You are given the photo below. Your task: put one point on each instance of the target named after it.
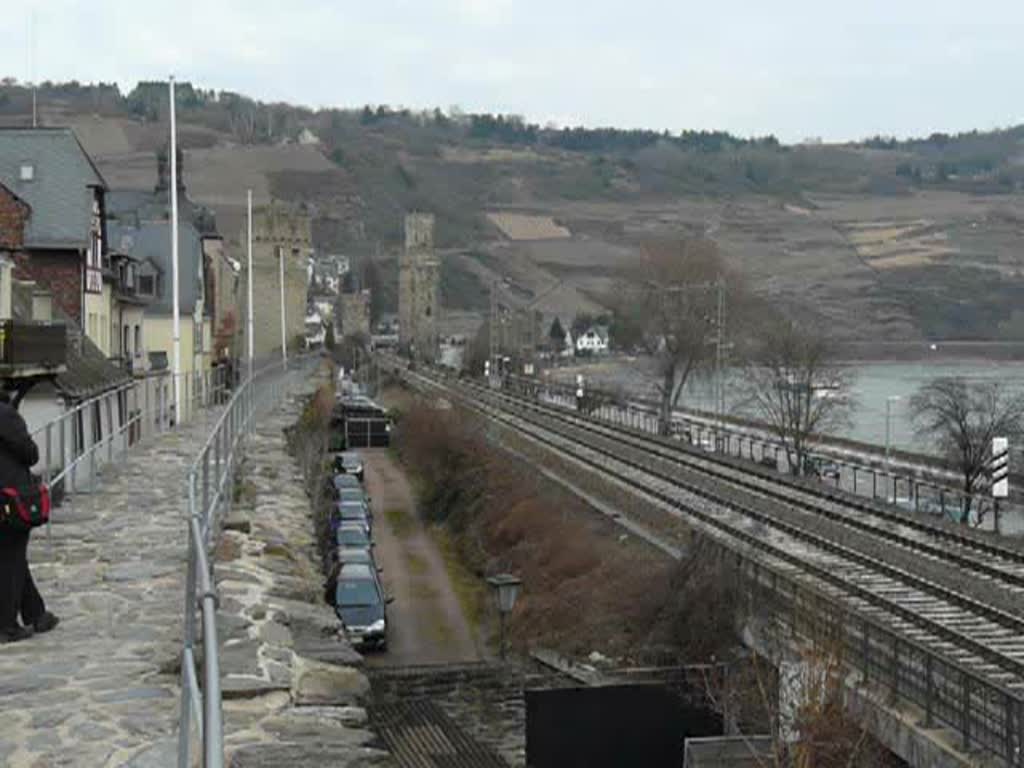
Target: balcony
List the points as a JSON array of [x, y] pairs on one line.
[[32, 348]]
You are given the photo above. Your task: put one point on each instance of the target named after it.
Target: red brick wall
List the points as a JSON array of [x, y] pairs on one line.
[[58, 271], [13, 214]]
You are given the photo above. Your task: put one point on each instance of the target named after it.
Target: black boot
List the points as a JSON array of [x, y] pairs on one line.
[[45, 623], [14, 634]]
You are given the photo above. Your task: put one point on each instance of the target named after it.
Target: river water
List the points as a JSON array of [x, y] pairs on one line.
[[873, 384]]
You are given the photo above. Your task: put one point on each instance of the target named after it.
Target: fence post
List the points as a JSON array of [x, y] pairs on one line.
[[62, 436], [866, 639], [1008, 726], [895, 667], [110, 426], [929, 690], [187, 654], [46, 466], [965, 709]]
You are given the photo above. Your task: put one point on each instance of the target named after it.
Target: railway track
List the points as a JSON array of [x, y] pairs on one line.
[[992, 565], [905, 574]]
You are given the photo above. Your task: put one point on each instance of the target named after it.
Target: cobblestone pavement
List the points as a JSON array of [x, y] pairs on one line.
[[101, 690]]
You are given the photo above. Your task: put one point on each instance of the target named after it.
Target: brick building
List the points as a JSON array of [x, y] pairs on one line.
[[14, 214], [419, 289], [63, 236], [278, 231]]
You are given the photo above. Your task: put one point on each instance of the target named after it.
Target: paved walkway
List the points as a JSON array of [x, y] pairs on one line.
[[102, 689]]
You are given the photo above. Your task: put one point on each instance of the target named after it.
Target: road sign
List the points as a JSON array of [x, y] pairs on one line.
[[1000, 467]]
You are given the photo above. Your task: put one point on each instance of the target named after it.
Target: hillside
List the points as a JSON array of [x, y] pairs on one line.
[[879, 240]]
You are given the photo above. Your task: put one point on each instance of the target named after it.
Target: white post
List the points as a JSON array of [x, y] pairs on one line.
[[284, 332], [174, 260], [249, 306], [888, 424]]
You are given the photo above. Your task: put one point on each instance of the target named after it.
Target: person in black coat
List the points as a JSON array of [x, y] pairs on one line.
[[18, 593]]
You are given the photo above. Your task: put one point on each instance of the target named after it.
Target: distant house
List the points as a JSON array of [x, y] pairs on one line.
[[307, 138], [594, 341]]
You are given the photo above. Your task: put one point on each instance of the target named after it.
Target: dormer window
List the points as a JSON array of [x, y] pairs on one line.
[[28, 172]]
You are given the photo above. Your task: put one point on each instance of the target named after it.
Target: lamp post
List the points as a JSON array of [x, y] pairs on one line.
[[506, 590], [888, 424]]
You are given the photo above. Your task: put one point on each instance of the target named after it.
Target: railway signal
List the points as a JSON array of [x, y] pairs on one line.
[[999, 467]]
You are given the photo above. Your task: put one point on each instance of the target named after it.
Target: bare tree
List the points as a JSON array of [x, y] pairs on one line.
[[792, 383], [670, 306], [962, 418]]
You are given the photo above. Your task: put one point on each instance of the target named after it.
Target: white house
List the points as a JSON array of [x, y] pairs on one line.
[[593, 342]]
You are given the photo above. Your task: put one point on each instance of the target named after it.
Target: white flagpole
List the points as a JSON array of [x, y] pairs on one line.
[[284, 332], [173, 159], [249, 323]]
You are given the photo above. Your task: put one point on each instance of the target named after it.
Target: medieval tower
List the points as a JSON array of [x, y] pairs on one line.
[[419, 289], [278, 232]]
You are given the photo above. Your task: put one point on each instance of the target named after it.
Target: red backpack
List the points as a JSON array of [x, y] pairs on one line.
[[23, 511]]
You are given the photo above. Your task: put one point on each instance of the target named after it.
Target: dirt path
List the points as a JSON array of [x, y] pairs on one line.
[[425, 622]]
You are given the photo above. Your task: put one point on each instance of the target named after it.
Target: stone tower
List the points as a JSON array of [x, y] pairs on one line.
[[278, 231], [419, 289]]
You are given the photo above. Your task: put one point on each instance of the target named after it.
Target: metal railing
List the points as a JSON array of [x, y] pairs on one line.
[[988, 717], [76, 445], [211, 491]]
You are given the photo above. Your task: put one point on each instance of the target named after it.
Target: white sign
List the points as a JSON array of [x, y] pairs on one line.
[[1000, 467], [528, 369]]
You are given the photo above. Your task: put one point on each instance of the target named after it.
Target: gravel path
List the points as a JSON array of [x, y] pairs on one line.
[[426, 624]]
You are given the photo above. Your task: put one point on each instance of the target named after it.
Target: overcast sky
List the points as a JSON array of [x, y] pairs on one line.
[[838, 69]]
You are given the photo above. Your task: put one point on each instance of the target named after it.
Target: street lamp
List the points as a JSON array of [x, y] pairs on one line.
[[888, 423], [506, 590]]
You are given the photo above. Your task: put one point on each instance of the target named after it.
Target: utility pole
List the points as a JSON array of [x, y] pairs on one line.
[[32, 67], [719, 350], [284, 331], [176, 322], [249, 323], [493, 354]]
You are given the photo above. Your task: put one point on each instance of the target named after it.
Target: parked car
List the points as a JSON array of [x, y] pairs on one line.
[[349, 463], [345, 512], [341, 481], [342, 555], [353, 535], [339, 558], [360, 603], [353, 494]]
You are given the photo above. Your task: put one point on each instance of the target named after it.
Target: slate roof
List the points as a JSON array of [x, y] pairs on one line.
[[151, 240], [60, 193], [89, 372]]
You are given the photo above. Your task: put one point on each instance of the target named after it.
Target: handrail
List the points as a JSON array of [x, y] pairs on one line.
[[210, 492]]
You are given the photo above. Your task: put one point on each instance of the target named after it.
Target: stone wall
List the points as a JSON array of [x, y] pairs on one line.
[[294, 688]]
